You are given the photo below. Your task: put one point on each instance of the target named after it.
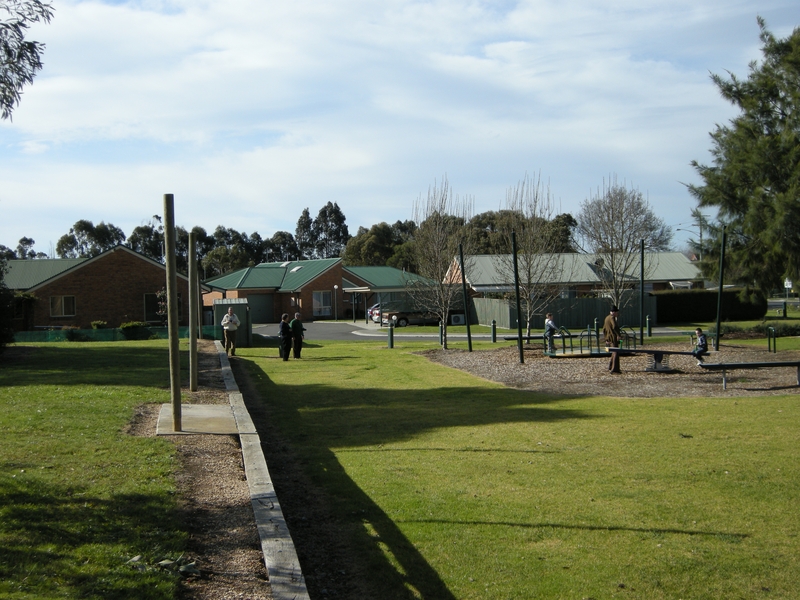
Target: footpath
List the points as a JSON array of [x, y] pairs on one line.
[[280, 557]]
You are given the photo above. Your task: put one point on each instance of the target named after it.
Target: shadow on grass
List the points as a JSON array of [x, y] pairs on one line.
[[337, 527], [652, 530], [51, 539], [117, 364]]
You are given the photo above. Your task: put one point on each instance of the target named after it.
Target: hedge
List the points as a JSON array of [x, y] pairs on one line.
[[680, 306]]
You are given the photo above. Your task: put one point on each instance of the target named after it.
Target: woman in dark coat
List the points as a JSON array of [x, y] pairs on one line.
[[285, 334]]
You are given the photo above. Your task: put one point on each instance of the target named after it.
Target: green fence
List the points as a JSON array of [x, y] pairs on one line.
[[110, 335], [573, 313]]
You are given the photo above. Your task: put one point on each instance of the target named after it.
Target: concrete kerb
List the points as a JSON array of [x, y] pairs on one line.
[[280, 557]]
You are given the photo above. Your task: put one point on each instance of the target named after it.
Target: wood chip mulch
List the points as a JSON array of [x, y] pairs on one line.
[[582, 376]]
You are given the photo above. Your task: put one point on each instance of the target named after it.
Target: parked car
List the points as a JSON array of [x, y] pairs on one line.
[[409, 318], [373, 310]]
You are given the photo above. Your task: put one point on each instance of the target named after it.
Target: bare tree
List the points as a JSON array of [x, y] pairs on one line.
[[611, 225], [441, 226], [538, 244]]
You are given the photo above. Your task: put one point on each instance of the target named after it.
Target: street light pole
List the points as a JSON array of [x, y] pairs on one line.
[[335, 307]]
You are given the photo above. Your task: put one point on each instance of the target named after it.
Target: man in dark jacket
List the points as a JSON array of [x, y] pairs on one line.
[[285, 334], [612, 335], [297, 328]]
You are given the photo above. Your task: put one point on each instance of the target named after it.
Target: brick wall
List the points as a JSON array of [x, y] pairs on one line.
[[110, 288]]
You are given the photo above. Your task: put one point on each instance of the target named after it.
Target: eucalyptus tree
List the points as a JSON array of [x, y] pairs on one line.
[[20, 58], [85, 239], [330, 231]]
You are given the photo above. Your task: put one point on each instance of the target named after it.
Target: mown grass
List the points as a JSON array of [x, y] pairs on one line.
[[78, 497], [454, 487]]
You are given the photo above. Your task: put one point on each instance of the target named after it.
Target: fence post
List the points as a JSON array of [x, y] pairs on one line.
[[494, 331]]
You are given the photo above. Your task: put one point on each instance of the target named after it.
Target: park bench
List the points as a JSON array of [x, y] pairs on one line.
[[658, 359], [725, 367]]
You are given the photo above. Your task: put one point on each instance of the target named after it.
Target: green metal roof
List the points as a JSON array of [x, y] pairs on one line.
[[283, 277], [383, 278], [491, 272], [25, 274]]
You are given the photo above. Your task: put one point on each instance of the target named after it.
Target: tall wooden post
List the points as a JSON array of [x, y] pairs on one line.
[[172, 311], [193, 310]]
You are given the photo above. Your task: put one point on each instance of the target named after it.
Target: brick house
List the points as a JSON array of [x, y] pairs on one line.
[[117, 286], [317, 289]]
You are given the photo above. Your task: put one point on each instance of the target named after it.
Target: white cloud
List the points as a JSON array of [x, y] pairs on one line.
[[269, 107]]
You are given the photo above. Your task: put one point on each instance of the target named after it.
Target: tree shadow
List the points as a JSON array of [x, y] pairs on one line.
[[337, 527], [51, 533]]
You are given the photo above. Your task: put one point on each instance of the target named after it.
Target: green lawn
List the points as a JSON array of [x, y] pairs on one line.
[[79, 498], [454, 487]]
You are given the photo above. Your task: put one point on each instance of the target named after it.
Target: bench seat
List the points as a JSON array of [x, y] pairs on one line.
[[660, 362], [725, 367]]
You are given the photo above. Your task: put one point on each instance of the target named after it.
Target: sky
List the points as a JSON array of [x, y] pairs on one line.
[[249, 111]]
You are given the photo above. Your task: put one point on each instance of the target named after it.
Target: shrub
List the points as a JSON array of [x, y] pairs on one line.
[[99, 324], [74, 334], [679, 306], [135, 330]]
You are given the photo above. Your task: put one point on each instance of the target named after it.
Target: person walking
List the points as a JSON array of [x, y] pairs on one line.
[[297, 328], [285, 334], [612, 335], [230, 323]]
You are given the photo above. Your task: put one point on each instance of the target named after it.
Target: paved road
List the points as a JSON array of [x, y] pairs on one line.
[[326, 330]]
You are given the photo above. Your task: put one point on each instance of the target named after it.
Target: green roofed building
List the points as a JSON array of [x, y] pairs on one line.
[[317, 289]]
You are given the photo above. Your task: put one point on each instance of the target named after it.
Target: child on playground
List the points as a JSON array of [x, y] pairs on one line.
[[701, 347], [550, 330]]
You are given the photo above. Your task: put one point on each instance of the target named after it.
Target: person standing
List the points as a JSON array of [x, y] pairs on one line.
[[285, 334], [550, 330], [612, 335], [230, 323], [297, 334]]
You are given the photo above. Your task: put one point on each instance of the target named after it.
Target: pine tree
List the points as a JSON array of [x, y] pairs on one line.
[[754, 181]]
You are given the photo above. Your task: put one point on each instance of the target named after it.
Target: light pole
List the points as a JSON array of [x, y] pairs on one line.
[[335, 307], [700, 246]]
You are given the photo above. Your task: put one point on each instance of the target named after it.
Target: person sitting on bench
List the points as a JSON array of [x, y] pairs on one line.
[[701, 347]]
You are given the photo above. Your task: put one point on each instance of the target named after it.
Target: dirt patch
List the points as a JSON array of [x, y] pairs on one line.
[[214, 497], [590, 376]]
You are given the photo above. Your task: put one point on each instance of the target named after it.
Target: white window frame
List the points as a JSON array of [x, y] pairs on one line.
[[59, 308], [321, 309]]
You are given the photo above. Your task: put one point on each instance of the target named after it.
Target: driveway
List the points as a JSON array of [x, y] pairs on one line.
[[328, 330]]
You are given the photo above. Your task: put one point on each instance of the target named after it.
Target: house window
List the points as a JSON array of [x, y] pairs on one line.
[[62, 306], [322, 304], [151, 309]]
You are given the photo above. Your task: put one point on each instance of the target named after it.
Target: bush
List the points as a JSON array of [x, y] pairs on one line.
[[74, 334], [99, 324], [680, 306], [135, 330]]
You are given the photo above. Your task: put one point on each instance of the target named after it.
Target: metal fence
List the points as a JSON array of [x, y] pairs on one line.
[[213, 332], [573, 313]]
